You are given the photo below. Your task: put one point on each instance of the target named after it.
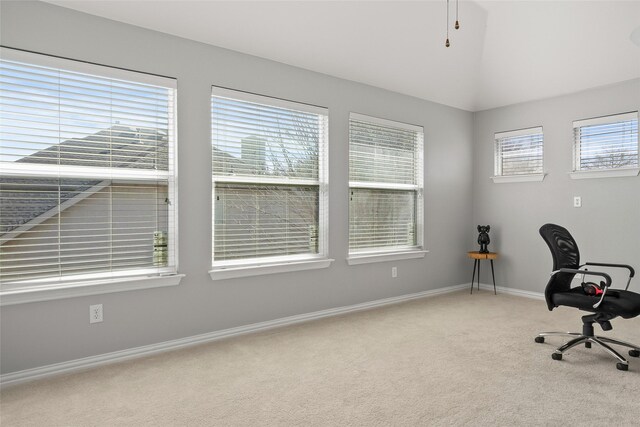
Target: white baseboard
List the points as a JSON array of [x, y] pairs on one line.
[[14, 378], [509, 291]]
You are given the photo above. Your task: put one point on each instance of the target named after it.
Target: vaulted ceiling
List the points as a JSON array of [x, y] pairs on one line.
[[505, 52]]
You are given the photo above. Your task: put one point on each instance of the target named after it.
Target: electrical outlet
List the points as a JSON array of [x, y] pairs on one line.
[[577, 202], [95, 313], [394, 272]]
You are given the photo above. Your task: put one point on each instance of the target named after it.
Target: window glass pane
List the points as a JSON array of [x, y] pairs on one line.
[[33, 252], [381, 154], [252, 139], [608, 146], [267, 158], [86, 178], [252, 221], [519, 155], [385, 179], [52, 116], [140, 225], [381, 218], [53, 227]]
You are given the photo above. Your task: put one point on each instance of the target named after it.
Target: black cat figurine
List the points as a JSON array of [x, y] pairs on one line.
[[483, 238]]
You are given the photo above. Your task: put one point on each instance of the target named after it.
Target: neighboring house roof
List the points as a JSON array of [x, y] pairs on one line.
[[133, 147], [116, 147], [20, 213], [23, 214]]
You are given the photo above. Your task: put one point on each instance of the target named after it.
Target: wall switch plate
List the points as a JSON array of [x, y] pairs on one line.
[[577, 202], [95, 313], [394, 272]]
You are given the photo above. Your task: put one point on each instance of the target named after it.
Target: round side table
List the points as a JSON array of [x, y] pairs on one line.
[[477, 257]]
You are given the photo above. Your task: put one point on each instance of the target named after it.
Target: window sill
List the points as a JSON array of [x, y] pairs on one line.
[[382, 257], [96, 287], [609, 173], [231, 272], [538, 177]]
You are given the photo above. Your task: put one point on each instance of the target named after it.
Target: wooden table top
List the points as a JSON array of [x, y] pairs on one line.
[[480, 255]]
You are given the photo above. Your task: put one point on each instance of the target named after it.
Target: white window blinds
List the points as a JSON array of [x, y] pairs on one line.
[[385, 184], [606, 142], [87, 166], [519, 152], [268, 163]]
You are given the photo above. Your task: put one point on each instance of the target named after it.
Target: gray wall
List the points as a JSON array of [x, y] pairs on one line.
[[606, 227], [38, 334]]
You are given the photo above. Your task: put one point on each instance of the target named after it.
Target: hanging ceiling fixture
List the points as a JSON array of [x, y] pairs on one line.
[[456, 26], [447, 42]]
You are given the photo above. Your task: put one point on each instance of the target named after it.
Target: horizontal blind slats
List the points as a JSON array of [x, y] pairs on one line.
[[520, 154], [59, 228], [381, 218], [381, 154], [259, 220], [258, 142], [81, 116], [38, 72], [608, 144], [250, 139]]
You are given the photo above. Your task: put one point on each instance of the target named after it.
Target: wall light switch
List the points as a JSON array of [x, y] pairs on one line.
[[577, 202]]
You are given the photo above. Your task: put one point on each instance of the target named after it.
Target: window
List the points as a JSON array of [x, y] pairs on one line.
[[519, 154], [269, 181], [606, 143], [87, 172], [385, 186]]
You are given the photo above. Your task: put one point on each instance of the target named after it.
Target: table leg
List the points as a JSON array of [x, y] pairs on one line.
[[473, 278], [494, 279], [479, 274]]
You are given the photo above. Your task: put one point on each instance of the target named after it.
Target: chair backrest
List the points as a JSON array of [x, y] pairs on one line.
[[565, 253]]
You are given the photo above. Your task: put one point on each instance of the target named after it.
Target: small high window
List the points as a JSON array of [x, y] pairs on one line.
[[606, 143], [519, 154]]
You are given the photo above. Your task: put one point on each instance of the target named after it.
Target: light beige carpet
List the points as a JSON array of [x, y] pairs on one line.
[[455, 359]]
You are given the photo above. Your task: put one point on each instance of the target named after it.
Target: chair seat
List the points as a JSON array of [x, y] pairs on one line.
[[625, 304]]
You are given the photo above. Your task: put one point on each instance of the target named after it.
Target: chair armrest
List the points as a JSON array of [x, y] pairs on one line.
[[632, 272], [606, 277]]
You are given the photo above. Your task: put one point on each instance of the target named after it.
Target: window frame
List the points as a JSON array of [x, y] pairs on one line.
[[613, 172], [417, 251], [91, 283], [227, 269], [498, 175]]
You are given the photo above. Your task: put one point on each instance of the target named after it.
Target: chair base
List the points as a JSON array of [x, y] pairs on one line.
[[587, 340]]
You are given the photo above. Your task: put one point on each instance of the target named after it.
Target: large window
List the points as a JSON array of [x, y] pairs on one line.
[[519, 152], [385, 185], [269, 180], [87, 172], [606, 143]]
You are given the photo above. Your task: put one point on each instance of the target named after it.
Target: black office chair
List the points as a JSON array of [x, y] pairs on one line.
[[605, 303]]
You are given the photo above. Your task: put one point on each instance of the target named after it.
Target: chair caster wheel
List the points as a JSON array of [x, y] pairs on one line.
[[539, 340], [556, 356], [622, 366], [587, 345], [634, 353]]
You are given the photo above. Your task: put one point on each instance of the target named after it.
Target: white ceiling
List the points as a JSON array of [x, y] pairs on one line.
[[505, 52]]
